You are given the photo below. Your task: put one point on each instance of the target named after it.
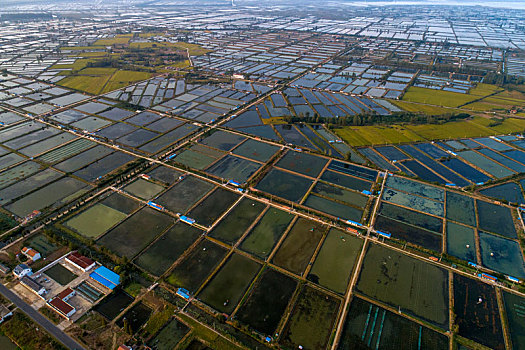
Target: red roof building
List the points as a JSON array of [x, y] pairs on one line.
[[79, 261], [62, 307], [66, 294]]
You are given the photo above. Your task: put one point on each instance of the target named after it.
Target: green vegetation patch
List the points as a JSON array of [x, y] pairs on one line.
[[143, 189], [95, 220], [28, 335]]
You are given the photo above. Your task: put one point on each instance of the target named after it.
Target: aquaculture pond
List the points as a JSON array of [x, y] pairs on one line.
[[335, 261], [411, 201], [227, 287], [234, 168], [369, 326], [136, 317], [415, 187], [510, 192], [223, 140], [298, 247], [111, 306], [237, 221], [302, 163], [340, 194], [477, 313], [501, 254], [181, 196], [496, 218], [143, 189], [349, 182], [256, 150], [213, 206], [136, 232], [285, 185], [515, 311], [262, 310], [333, 208], [460, 208], [410, 233], [263, 237], [160, 255], [405, 283], [23, 187], [191, 272], [461, 241], [169, 336], [121, 203], [60, 274], [50, 196]]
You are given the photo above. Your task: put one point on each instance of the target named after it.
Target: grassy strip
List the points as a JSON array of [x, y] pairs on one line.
[[158, 320], [50, 314], [201, 332]]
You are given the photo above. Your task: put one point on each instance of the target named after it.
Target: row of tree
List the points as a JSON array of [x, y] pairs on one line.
[[375, 119]]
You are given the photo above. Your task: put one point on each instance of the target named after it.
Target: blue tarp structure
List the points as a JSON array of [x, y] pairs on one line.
[[106, 277]]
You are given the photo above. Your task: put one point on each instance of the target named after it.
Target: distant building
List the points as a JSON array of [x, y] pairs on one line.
[[4, 269], [4, 313], [80, 262], [33, 285], [183, 293], [31, 253], [22, 270]]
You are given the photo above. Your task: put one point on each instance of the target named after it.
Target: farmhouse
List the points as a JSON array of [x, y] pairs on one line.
[[22, 270], [31, 253], [4, 269]]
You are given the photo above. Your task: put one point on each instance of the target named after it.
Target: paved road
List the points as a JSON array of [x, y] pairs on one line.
[[41, 320]]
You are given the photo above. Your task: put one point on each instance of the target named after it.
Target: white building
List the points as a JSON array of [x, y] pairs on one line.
[[22, 270]]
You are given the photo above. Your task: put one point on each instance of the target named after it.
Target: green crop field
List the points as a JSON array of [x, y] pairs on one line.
[[89, 84], [119, 39], [370, 135], [422, 108], [194, 49], [437, 97], [123, 78], [475, 127]]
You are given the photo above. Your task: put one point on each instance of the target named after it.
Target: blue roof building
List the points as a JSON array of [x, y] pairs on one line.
[[106, 277]]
